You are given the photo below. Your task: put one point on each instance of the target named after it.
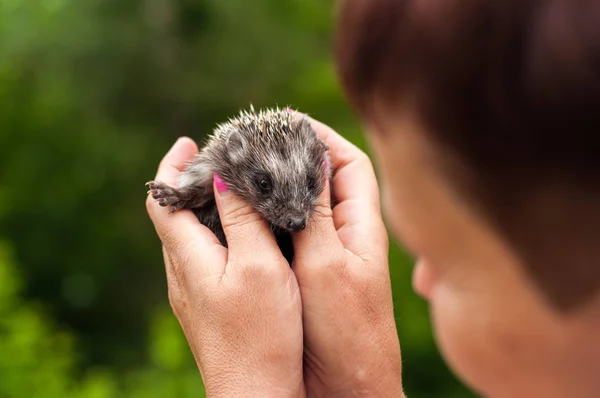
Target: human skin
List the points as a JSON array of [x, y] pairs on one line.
[[493, 326], [241, 311], [240, 308]]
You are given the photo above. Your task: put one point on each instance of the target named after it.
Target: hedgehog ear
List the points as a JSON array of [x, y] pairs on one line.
[[324, 145], [235, 145], [305, 127]]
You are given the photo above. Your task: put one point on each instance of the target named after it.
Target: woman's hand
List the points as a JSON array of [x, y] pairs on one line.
[[341, 263], [239, 308]]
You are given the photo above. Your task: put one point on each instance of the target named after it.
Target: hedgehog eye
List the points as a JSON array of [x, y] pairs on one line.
[[311, 182], [264, 183]]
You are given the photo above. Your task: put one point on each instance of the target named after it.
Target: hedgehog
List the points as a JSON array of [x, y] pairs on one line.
[[271, 159]]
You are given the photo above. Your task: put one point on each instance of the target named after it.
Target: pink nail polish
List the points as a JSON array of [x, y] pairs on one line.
[[326, 168], [220, 184]]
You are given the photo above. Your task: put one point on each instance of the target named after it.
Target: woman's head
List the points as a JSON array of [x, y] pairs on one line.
[[483, 117]]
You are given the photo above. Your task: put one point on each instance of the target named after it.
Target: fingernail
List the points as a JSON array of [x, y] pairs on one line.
[[220, 184]]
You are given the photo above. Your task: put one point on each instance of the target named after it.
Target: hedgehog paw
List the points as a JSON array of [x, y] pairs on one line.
[[165, 195]]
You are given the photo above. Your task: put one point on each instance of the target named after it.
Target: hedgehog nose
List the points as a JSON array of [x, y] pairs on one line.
[[297, 224]]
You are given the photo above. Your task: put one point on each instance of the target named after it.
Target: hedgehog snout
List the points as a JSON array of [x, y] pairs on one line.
[[296, 224]]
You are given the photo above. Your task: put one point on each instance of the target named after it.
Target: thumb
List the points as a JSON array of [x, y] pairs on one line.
[[319, 244], [247, 232]]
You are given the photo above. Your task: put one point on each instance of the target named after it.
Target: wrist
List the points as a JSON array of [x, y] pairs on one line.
[[239, 385], [369, 379], [391, 388], [256, 392], [262, 371]]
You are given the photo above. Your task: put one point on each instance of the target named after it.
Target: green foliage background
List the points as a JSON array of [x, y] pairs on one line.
[[92, 94]]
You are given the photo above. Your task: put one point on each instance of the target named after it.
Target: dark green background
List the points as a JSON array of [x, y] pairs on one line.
[[92, 94]]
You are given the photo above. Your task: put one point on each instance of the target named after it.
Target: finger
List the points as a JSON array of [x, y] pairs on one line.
[[178, 230], [357, 211], [248, 234], [319, 242]]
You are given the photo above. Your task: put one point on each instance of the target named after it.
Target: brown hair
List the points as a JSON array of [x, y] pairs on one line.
[[512, 89]]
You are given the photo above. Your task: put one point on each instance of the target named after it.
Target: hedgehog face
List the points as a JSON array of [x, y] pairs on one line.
[[287, 200], [286, 190], [282, 179]]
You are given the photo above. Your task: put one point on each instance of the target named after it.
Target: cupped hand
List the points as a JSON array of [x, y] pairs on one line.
[[341, 263], [240, 307]]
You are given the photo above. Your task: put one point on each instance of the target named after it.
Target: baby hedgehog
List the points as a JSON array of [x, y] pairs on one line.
[[271, 159]]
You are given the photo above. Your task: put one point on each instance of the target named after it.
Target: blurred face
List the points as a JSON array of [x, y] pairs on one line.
[[497, 334]]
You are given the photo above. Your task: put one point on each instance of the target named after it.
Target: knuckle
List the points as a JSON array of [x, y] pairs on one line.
[[323, 212]]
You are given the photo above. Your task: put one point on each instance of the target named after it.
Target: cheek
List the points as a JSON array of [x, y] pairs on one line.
[[489, 341], [396, 206], [267, 206], [402, 203], [410, 206], [462, 341]]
